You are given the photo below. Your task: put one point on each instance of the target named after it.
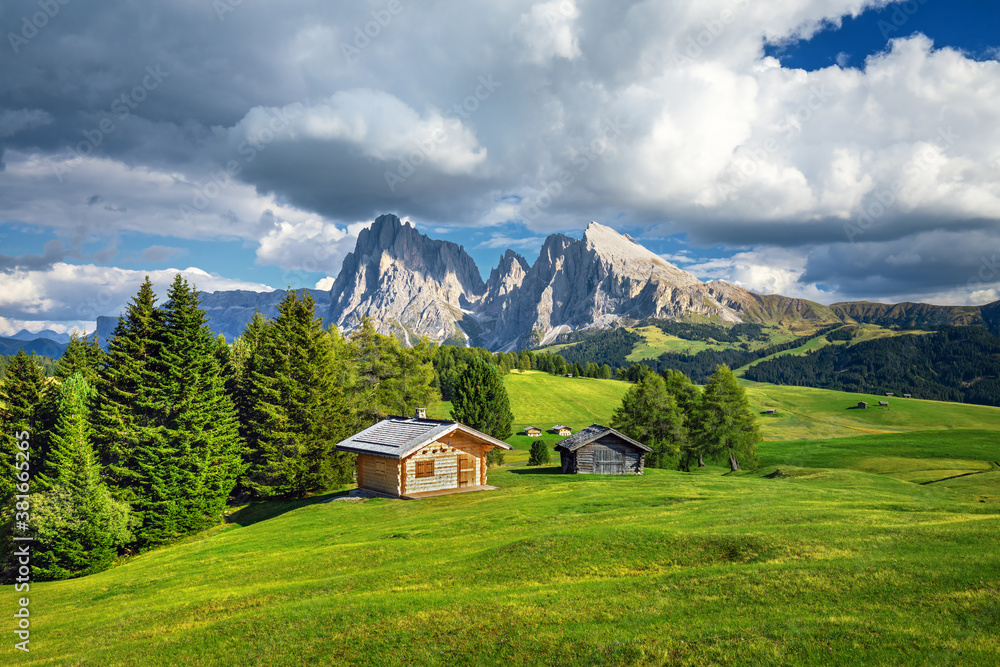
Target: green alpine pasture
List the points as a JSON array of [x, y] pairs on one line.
[[867, 537]]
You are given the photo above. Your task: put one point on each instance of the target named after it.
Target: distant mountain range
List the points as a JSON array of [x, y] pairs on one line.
[[411, 285]]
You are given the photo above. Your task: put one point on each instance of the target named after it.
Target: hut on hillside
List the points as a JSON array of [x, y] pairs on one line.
[[906, 395], [533, 431], [412, 457], [862, 405], [883, 404], [771, 411], [601, 450], [562, 429]]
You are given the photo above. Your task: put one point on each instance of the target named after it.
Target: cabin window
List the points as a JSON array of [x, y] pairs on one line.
[[425, 468]]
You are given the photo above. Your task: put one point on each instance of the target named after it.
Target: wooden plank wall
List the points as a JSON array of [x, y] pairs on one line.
[[378, 473], [445, 456], [628, 454]]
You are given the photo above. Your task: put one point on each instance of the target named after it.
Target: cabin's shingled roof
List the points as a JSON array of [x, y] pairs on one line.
[[397, 437], [593, 432]]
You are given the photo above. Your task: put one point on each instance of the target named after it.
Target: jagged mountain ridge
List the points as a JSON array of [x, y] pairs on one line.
[[411, 285]]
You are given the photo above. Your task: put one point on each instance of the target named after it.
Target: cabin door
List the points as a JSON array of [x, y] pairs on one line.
[[466, 470], [607, 461]]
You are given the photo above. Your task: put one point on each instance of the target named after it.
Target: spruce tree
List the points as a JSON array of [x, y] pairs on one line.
[[650, 414], [83, 355], [539, 454], [196, 415], [294, 405], [23, 390], [78, 526], [481, 402], [726, 426]]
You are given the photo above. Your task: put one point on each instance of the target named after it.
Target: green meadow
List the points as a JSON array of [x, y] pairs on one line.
[[866, 537]]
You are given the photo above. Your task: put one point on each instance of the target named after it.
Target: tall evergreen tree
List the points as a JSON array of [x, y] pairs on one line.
[[22, 392], [78, 525], [295, 406], [726, 426], [481, 402], [196, 414], [651, 415], [124, 415], [83, 355]]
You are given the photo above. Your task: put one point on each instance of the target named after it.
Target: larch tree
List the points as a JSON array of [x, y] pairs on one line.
[[650, 414], [687, 396], [727, 428]]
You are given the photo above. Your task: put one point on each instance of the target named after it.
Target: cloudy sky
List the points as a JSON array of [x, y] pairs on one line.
[[831, 149]]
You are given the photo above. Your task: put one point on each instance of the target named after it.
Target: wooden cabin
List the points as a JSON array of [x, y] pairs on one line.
[[562, 429], [906, 395], [883, 404], [601, 450], [533, 432], [412, 457], [770, 411], [862, 405], [888, 393]]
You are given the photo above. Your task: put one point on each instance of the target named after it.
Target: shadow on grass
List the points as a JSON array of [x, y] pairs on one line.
[[540, 470], [268, 509]]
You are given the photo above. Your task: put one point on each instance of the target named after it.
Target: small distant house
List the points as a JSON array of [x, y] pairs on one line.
[[569, 375], [862, 405], [601, 450], [411, 457], [888, 393], [906, 396], [533, 432], [883, 404], [771, 411], [562, 429]]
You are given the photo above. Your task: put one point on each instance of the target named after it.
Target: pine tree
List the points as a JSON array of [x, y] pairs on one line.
[[78, 525], [726, 426], [651, 415], [294, 405], [481, 402], [83, 355], [22, 392]]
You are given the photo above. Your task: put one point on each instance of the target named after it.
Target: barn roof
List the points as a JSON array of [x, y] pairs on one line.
[[398, 437], [559, 426], [593, 432]]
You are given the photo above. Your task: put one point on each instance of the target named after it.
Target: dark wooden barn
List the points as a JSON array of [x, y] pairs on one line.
[[601, 450]]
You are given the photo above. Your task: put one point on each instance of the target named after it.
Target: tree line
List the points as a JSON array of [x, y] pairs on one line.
[[136, 446], [686, 425], [959, 364]]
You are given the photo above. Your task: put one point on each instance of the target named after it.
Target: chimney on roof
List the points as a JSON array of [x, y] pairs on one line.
[[421, 413]]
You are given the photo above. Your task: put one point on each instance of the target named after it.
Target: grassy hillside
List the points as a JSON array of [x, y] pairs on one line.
[[878, 548], [826, 567]]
